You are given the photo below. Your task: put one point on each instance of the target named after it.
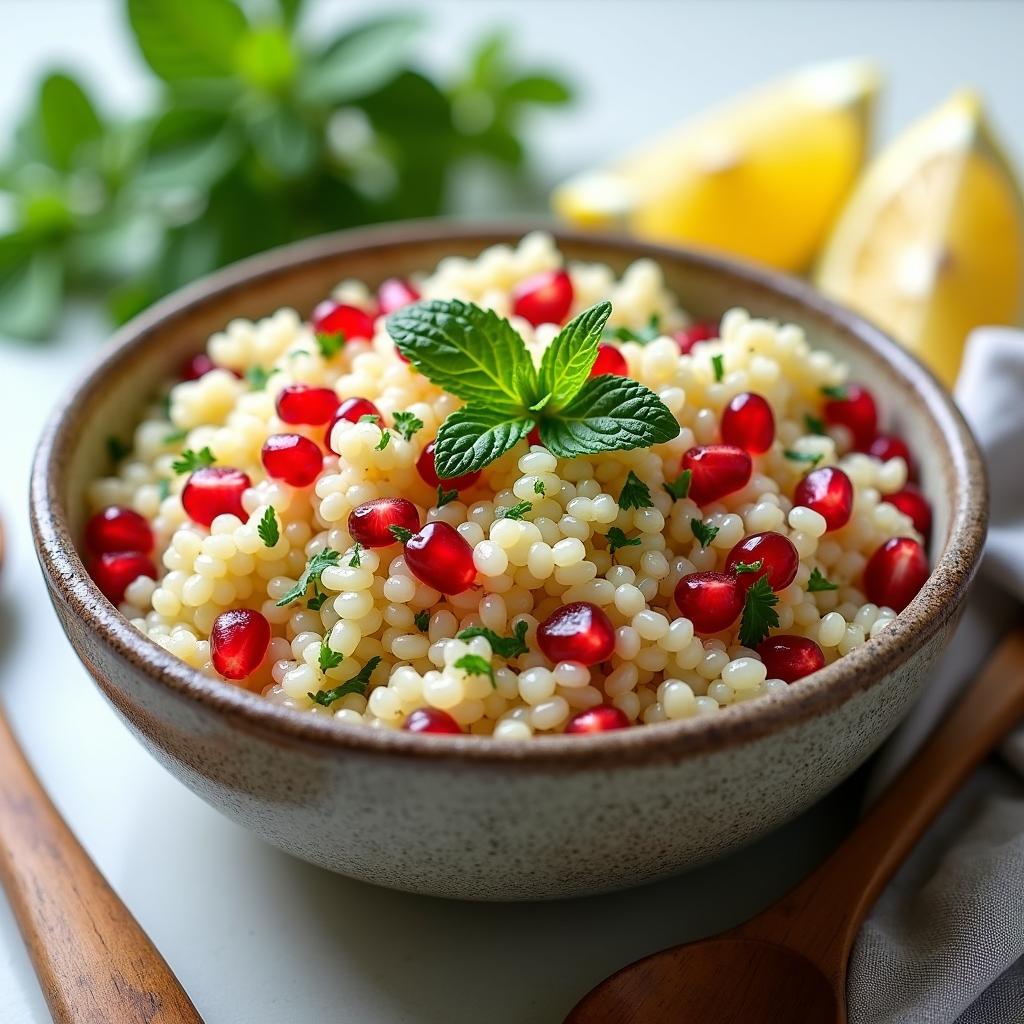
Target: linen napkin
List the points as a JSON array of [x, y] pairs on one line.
[[945, 942]]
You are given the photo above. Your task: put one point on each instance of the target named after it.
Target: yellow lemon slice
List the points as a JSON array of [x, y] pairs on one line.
[[931, 243], [763, 177]]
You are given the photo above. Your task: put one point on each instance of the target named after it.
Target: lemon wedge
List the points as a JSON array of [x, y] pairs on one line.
[[931, 243], [763, 177]]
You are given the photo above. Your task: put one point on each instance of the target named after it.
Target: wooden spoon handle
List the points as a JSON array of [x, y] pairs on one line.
[[830, 904], [94, 962]]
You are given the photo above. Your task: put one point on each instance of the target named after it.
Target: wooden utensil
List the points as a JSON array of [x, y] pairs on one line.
[[95, 964], [788, 965]]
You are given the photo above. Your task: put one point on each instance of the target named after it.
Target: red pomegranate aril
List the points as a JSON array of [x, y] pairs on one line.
[[716, 470], [533, 437], [545, 298], [689, 336], [609, 360], [301, 403], [292, 458], [439, 556], [431, 720], [198, 366], [856, 412], [394, 293], [603, 718], [829, 492], [113, 571], [352, 410], [712, 601], [749, 423], [895, 573], [780, 560], [369, 524], [350, 322], [238, 642], [214, 491], [117, 528], [888, 446], [911, 502], [426, 469], [790, 658], [578, 632]]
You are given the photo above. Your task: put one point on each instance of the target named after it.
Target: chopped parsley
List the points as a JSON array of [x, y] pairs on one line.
[[704, 533], [538, 487], [330, 344], [837, 392], [311, 574], [407, 423], [617, 539], [329, 659], [718, 365], [175, 436], [759, 615], [635, 493], [744, 567], [268, 529], [385, 440], [401, 534], [680, 487], [190, 460], [818, 582], [503, 646], [163, 488], [357, 556], [258, 377], [814, 424], [794, 456], [319, 598], [474, 665], [643, 336], [369, 417], [422, 620], [357, 684], [443, 496], [517, 511]]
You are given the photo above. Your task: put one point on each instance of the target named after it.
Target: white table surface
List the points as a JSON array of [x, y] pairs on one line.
[[255, 936]]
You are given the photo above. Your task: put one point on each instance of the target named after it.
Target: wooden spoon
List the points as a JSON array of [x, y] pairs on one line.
[[788, 964], [95, 964]]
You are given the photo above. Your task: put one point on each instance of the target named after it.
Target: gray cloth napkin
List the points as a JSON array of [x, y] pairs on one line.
[[945, 943]]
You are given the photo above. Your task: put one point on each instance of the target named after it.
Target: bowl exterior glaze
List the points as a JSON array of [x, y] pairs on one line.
[[454, 816]]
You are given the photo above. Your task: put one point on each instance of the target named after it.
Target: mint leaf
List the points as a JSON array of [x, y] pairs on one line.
[[268, 530], [474, 436], [617, 539], [191, 461], [567, 361], [704, 533], [609, 414], [680, 487], [759, 615], [311, 574], [503, 646], [517, 511], [469, 351], [66, 119], [635, 493], [818, 582], [407, 423], [474, 665]]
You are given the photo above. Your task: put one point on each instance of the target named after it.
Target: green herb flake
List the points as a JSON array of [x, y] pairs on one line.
[[635, 493], [175, 436], [407, 423], [815, 425], [190, 460], [357, 684], [369, 417], [680, 487], [474, 665], [759, 615], [258, 377], [357, 556], [503, 646], [117, 449], [747, 567], [329, 659], [644, 336], [330, 344], [517, 511], [163, 488], [422, 620], [538, 487], [443, 496], [268, 529], [385, 440], [795, 456], [718, 366], [704, 533], [311, 574], [838, 392], [617, 539], [818, 582], [401, 534], [318, 600]]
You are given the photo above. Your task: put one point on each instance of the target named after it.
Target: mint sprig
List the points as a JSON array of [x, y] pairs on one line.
[[480, 358]]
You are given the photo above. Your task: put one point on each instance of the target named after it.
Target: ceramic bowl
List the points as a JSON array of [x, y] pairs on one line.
[[458, 816]]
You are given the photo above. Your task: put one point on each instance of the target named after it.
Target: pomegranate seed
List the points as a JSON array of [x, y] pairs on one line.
[[779, 557], [895, 573], [369, 523], [689, 336], [439, 556], [717, 470], [292, 458], [748, 422], [114, 570], [116, 528], [712, 601], [911, 502], [544, 298], [533, 437], [829, 492], [888, 446], [790, 657], [577, 632], [425, 467], [431, 720], [213, 491], [350, 322], [300, 403], [609, 360], [352, 410], [198, 366], [238, 642], [603, 718], [856, 412], [394, 293]]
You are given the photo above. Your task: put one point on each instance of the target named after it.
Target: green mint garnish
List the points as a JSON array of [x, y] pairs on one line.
[[175, 436], [443, 496], [318, 600], [538, 487], [818, 582], [814, 424], [311, 574], [643, 336], [759, 615], [330, 344], [744, 567], [116, 448], [705, 534], [635, 493], [258, 377], [503, 646], [407, 423], [474, 665], [370, 417], [422, 620], [795, 456], [329, 659], [680, 487], [617, 539], [480, 358], [190, 461], [400, 533], [357, 684], [385, 440], [718, 365], [517, 511], [357, 556], [837, 391], [269, 531]]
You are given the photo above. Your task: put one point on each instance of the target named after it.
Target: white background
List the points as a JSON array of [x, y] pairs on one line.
[[255, 936]]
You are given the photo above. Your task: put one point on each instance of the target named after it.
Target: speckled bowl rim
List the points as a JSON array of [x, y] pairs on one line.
[[853, 674]]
